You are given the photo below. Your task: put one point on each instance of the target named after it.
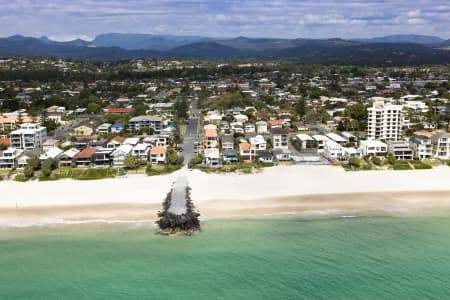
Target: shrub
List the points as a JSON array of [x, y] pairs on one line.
[[355, 162], [28, 171], [195, 161], [21, 178], [402, 166]]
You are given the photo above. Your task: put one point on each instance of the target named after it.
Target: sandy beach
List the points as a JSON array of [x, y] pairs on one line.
[[309, 190]]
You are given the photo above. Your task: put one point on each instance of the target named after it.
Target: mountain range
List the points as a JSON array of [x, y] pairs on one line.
[[401, 49]]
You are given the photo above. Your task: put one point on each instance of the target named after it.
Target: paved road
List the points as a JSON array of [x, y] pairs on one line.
[[192, 133]]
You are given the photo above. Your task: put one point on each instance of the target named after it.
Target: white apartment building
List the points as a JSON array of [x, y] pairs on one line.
[[384, 121], [333, 151], [29, 136]]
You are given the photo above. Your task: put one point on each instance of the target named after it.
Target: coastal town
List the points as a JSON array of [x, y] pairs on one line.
[[65, 119]]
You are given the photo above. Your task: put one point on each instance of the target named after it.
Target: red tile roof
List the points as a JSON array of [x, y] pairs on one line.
[[119, 110], [158, 150], [88, 152], [211, 133], [275, 122], [118, 139], [5, 141]]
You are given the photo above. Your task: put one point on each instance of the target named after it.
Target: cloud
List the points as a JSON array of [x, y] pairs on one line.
[[277, 18]]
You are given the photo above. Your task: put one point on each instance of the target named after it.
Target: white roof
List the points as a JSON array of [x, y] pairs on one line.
[[348, 135], [131, 141], [373, 143], [212, 153], [335, 137], [319, 137], [124, 149], [51, 153], [210, 126], [72, 152], [259, 139], [304, 137], [141, 147]]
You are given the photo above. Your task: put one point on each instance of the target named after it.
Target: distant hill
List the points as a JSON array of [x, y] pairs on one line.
[[405, 38], [305, 50], [144, 41], [205, 50]]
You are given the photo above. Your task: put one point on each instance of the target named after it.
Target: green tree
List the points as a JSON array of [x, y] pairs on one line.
[[93, 108], [28, 171], [131, 162], [300, 108], [181, 108], [48, 166], [172, 157], [34, 162]]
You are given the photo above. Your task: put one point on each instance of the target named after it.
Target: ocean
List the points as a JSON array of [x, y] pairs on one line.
[[266, 258]]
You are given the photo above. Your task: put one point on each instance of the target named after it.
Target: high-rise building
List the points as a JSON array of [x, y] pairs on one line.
[[384, 121]]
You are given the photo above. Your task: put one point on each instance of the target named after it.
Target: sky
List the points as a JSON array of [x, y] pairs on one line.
[[70, 19]]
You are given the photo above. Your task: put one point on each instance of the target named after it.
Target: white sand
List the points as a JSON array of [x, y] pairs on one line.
[[278, 190], [282, 181]]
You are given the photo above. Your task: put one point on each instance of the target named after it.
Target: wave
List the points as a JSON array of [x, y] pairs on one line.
[[24, 223]]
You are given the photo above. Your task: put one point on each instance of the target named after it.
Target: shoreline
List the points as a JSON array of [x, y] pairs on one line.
[[308, 206], [283, 190]]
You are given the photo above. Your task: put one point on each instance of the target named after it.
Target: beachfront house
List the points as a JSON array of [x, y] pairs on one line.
[[279, 138], [120, 154], [247, 151], [282, 154], [422, 146], [67, 158], [53, 153], [212, 157], [265, 157], [85, 157], [373, 147], [9, 157], [401, 150], [333, 151], [158, 155], [227, 142], [259, 142], [230, 156], [141, 151], [103, 157]]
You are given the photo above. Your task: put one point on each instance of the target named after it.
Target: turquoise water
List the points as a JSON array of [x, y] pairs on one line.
[[290, 258]]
